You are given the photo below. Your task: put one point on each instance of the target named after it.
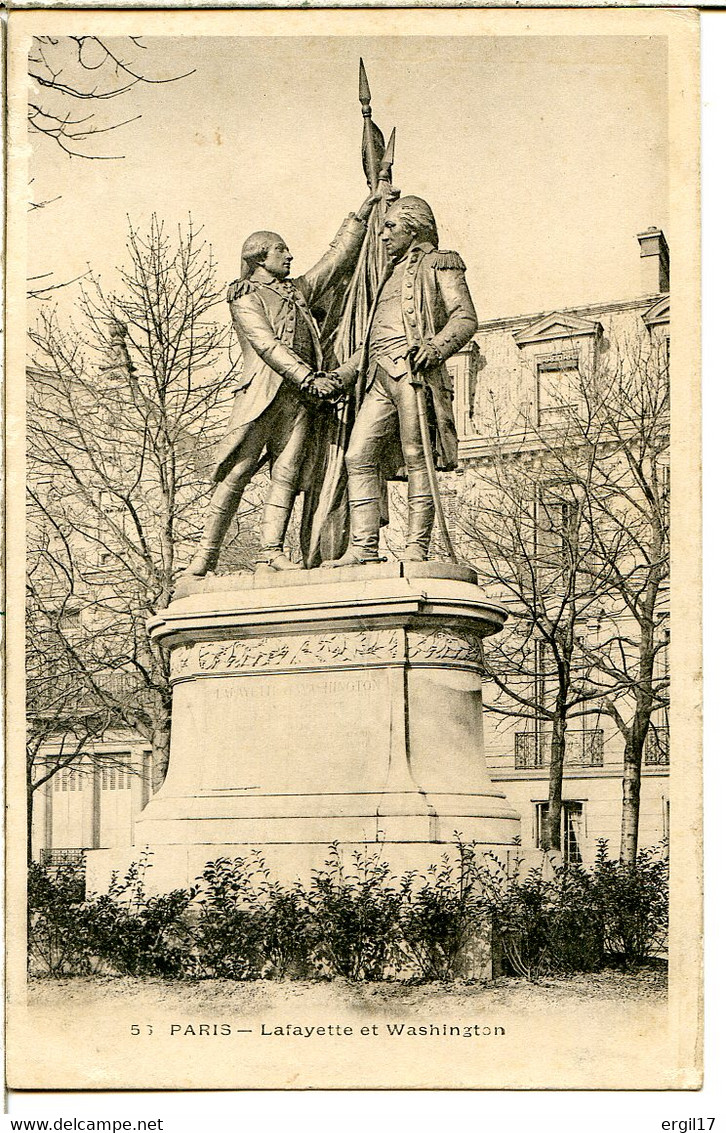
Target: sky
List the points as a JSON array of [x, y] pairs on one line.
[[542, 157]]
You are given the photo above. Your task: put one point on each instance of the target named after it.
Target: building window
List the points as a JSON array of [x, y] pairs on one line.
[[111, 527], [584, 747], [558, 388], [571, 829], [558, 519], [572, 832], [63, 857], [463, 368], [68, 779], [70, 620], [656, 751], [115, 779], [540, 675], [657, 739]]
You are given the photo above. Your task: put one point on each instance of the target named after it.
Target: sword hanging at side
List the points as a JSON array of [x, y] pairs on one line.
[[419, 384]]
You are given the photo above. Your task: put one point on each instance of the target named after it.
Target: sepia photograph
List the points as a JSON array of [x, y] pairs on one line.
[[353, 565]]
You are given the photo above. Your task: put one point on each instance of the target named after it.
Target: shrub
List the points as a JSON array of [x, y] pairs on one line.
[[122, 930], [354, 917], [139, 935], [544, 925], [57, 940], [229, 932], [440, 918], [633, 903], [358, 922], [288, 932], [250, 926], [576, 938], [519, 916]]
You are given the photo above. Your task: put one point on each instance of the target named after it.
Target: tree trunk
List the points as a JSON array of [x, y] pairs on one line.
[[160, 747], [631, 806], [636, 736], [632, 764], [552, 827], [30, 794]]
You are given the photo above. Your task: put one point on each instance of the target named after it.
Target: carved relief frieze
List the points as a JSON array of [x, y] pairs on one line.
[[299, 651], [181, 660], [444, 645], [325, 651]]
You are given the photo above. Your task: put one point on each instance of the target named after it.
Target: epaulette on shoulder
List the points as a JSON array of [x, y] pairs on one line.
[[237, 289], [446, 260]]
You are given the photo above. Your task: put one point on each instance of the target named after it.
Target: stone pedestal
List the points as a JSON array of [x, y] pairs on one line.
[[323, 706]]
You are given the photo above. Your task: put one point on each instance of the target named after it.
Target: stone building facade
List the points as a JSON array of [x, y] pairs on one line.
[[520, 369]]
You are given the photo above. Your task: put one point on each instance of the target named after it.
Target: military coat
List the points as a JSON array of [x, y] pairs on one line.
[[436, 307], [265, 316]]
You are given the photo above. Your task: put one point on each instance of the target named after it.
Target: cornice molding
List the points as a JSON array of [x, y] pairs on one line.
[[556, 326], [659, 314], [519, 322]]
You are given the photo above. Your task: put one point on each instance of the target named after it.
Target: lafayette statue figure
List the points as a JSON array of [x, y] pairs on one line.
[[283, 385], [422, 315]]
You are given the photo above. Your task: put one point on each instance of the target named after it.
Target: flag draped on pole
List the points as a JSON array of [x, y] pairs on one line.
[[324, 531]]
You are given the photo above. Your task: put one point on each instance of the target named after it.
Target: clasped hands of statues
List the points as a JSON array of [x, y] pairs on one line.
[[325, 386], [328, 387], [322, 387]]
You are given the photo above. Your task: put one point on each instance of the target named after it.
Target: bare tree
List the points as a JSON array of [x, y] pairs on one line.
[[74, 78], [629, 524], [78, 86], [571, 525], [523, 525], [64, 717], [121, 416]]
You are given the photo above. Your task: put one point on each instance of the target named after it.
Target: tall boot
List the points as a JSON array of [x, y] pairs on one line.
[[365, 519], [420, 517], [273, 527], [222, 507]]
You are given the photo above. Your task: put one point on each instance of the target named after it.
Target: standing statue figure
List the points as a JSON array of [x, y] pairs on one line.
[[422, 315], [282, 388]]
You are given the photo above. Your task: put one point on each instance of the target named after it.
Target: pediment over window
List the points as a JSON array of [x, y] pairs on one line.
[[659, 314], [555, 327]]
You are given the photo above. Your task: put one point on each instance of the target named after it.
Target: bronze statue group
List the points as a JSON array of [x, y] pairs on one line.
[[337, 429]]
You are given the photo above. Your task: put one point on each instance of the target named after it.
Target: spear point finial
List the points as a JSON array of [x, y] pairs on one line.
[[390, 149], [364, 91]]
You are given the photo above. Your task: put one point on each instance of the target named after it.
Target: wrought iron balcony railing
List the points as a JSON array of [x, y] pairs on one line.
[[657, 748], [68, 693], [582, 749], [62, 857]]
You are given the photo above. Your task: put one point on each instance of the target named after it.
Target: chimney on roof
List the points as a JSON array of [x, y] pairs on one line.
[[654, 262]]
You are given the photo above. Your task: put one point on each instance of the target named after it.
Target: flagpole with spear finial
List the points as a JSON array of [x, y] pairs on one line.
[[370, 273], [384, 171], [326, 507], [345, 331], [373, 143]]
